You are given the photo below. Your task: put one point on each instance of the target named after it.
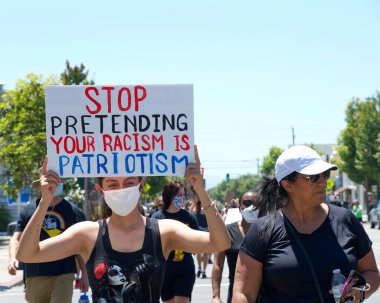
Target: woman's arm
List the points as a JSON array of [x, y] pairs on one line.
[[367, 266], [248, 278], [216, 276], [71, 242]]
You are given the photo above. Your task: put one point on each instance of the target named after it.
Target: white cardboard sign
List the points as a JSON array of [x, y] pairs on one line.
[[136, 130]]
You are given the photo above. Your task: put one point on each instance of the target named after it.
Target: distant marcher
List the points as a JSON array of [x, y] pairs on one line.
[[180, 269], [357, 210], [291, 250], [237, 230], [202, 259], [49, 281]]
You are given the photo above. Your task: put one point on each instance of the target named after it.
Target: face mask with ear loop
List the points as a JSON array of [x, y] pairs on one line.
[[122, 201], [250, 214]]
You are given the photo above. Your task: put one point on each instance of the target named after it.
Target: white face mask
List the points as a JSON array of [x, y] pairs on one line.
[[122, 201], [58, 190], [250, 214]]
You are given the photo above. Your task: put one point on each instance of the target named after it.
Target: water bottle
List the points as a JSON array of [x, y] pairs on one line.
[[337, 283], [84, 298]]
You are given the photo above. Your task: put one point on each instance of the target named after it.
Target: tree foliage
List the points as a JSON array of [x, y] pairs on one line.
[[359, 141], [269, 162], [22, 130], [76, 75], [238, 186]]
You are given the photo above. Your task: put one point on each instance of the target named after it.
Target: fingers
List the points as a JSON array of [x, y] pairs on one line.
[[196, 155], [45, 165]]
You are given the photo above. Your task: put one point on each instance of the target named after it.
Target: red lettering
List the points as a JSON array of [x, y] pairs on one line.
[[160, 140], [90, 143], [56, 143], [69, 145], [137, 98], [107, 139], [185, 139], [137, 148], [119, 99], [108, 89], [125, 142], [176, 143], [144, 139], [97, 104], [117, 144]]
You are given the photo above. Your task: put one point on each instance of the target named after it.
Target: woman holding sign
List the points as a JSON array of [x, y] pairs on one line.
[[126, 253]]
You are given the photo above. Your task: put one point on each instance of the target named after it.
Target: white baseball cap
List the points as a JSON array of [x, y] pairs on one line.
[[300, 159]]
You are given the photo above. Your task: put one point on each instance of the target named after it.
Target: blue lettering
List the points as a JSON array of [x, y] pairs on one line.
[[101, 164], [151, 163], [142, 156], [176, 160], [165, 167], [127, 169], [115, 163], [88, 156], [76, 163], [62, 164]]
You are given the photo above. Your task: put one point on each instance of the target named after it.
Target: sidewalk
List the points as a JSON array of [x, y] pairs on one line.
[[6, 280]]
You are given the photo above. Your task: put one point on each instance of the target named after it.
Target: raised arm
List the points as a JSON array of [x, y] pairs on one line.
[[216, 276], [71, 242], [181, 237]]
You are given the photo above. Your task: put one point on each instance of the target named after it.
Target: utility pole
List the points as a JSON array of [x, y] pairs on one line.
[[293, 137]]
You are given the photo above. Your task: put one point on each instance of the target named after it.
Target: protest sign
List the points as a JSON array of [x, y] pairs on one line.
[[142, 130]]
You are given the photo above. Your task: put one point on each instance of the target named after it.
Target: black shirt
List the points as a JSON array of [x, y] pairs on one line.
[[133, 277], [339, 242], [232, 254], [179, 262], [57, 219]]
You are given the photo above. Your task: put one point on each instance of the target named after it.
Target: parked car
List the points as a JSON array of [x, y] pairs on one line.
[[374, 216]]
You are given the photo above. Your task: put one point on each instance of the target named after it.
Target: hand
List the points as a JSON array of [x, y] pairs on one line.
[[49, 182], [13, 266], [216, 299], [194, 171], [353, 296], [84, 284]]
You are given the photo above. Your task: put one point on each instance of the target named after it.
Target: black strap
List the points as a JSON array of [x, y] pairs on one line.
[[291, 228]]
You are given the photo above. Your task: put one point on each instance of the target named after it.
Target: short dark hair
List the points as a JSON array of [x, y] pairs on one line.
[[169, 191]]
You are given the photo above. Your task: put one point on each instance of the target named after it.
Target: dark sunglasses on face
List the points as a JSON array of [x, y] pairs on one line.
[[247, 203], [315, 178]]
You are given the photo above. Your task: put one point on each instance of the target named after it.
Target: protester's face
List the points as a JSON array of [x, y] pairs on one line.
[[113, 183], [249, 199]]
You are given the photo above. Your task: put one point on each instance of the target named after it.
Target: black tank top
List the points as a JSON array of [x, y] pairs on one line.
[[133, 277]]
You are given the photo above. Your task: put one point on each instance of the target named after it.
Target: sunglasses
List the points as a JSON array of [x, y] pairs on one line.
[[315, 178], [247, 203]]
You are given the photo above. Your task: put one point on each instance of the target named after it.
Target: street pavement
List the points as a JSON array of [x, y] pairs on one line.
[[202, 289]]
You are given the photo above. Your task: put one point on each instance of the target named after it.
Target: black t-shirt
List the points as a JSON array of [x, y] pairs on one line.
[[179, 262], [134, 277], [202, 221], [339, 242], [57, 220], [232, 254]]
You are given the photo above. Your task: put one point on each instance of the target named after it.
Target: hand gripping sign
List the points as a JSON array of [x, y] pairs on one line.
[[141, 130]]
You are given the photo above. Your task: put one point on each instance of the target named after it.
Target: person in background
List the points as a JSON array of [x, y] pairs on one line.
[[248, 203], [156, 206], [180, 270], [357, 210], [49, 281], [125, 253], [202, 259], [295, 222]]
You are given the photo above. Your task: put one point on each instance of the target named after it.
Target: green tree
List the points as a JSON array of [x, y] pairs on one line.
[[237, 185], [75, 75], [359, 141], [22, 131], [269, 162]]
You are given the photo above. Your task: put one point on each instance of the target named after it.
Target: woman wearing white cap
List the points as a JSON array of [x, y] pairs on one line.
[[291, 250]]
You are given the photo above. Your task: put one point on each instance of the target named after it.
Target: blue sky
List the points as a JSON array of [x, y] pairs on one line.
[[259, 68]]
